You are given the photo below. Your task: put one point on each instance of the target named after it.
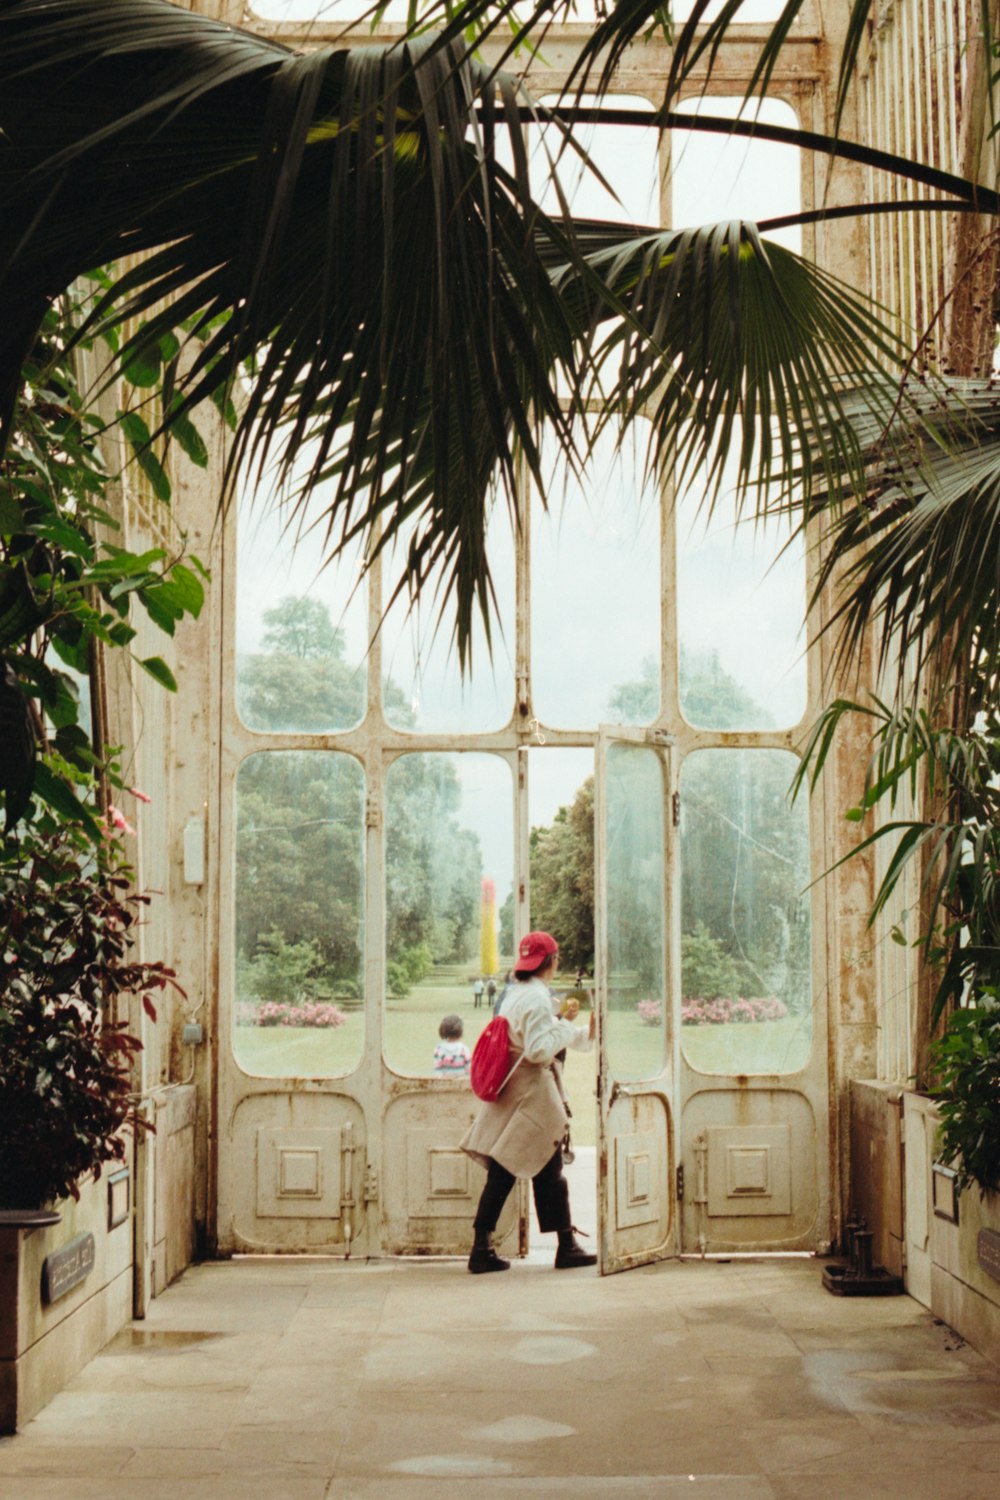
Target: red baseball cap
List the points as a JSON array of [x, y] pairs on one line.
[[534, 949]]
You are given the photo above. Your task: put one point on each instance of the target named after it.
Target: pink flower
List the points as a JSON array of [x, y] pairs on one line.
[[117, 819], [139, 796]]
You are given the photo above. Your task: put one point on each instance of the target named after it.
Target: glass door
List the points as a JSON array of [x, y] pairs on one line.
[[637, 1147]]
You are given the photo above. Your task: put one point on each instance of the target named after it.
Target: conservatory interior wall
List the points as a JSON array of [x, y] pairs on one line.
[[185, 753]]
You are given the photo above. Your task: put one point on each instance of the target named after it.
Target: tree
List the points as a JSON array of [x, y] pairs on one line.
[[301, 627], [562, 879], [300, 822]]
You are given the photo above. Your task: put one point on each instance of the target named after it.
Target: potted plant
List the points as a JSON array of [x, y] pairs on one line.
[[67, 920]]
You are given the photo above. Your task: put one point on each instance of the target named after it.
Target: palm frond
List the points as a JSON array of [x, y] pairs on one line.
[[339, 219], [918, 563], [731, 345]]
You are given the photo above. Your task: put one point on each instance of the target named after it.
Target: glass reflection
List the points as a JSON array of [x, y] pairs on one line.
[[637, 1019], [299, 904], [595, 591], [424, 688], [449, 900], [745, 922], [301, 626], [741, 602]]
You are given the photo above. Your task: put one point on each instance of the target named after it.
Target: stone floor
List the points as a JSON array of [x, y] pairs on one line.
[[319, 1380]]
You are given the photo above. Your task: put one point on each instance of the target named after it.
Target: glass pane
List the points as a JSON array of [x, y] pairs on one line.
[[740, 587], [595, 593], [326, 11], [625, 156], [636, 913], [449, 876], [716, 177], [423, 687], [745, 922], [301, 626], [741, 601], [299, 907], [561, 868]]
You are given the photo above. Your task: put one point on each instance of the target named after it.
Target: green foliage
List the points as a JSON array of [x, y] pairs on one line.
[[710, 696], [279, 970], [956, 855], [408, 968], [966, 1060], [66, 589], [300, 820], [708, 971], [562, 881], [66, 929], [300, 626]]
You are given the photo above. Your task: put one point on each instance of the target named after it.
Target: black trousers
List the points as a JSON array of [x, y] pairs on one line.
[[550, 1188]]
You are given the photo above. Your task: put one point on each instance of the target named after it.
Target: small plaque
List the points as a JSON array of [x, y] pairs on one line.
[[66, 1268], [945, 1193], [119, 1194], [988, 1246]]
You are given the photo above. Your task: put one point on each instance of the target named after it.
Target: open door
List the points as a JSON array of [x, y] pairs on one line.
[[637, 1066]]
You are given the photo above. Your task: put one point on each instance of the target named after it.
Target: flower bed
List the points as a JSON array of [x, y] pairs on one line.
[[725, 1011], [284, 1013], [721, 1012]]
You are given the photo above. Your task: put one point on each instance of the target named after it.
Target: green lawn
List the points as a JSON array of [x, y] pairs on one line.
[[411, 1033]]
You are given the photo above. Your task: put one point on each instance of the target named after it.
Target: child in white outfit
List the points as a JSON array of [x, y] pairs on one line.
[[451, 1055]]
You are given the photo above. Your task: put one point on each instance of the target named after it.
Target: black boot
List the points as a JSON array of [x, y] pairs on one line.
[[569, 1254], [484, 1258]]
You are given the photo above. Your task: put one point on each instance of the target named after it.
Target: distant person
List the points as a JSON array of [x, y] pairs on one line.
[[451, 1055], [508, 980], [477, 992], [512, 1136], [491, 991]]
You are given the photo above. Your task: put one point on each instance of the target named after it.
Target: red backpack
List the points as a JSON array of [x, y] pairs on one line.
[[490, 1066]]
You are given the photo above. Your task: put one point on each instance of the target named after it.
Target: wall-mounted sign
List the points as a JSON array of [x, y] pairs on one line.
[[988, 1246], [118, 1197], [945, 1193], [66, 1268]]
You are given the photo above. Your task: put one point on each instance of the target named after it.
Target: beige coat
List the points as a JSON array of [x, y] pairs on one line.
[[522, 1128]]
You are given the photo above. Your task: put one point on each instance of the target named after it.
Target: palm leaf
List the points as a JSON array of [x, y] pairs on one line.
[[340, 218], [919, 561], [735, 346]]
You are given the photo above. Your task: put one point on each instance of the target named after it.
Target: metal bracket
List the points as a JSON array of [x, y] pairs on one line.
[[660, 737], [680, 1182], [371, 1185]]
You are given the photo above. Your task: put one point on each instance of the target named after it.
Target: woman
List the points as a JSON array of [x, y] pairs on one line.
[[520, 1134]]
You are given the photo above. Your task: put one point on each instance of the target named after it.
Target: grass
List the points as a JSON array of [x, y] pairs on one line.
[[411, 1033]]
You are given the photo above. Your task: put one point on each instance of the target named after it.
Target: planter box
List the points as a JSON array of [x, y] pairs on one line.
[[893, 1185], [65, 1290]]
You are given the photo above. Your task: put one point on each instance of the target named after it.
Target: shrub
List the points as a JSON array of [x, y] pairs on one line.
[[967, 1064], [725, 1011], [318, 1013], [66, 921]]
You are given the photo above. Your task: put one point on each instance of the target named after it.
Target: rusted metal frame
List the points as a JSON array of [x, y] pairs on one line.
[[929, 21], [952, 75], [908, 226], [393, 742]]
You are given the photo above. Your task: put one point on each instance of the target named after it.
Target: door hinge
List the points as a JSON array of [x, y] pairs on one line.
[[675, 803], [680, 1182], [371, 1185]]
